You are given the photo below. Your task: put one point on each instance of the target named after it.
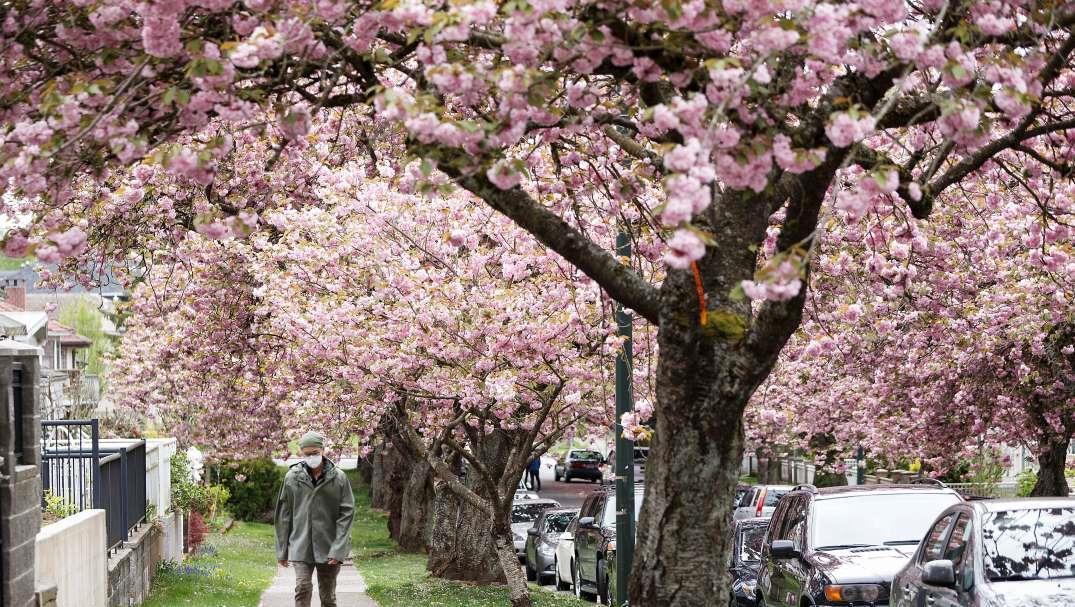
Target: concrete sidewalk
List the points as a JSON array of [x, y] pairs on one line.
[[350, 589]]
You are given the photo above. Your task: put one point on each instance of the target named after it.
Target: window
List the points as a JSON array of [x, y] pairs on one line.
[[527, 513], [895, 518], [558, 522], [956, 551], [1034, 544], [796, 522], [772, 496], [934, 542], [751, 541], [589, 456]]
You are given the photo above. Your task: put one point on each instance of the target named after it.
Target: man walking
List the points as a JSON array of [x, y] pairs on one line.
[[313, 521]]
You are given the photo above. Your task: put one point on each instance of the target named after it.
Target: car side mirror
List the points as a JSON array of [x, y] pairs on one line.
[[939, 573], [533, 532], [587, 522], [784, 549]]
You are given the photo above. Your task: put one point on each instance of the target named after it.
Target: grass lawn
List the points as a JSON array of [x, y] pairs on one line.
[[231, 571], [396, 579]]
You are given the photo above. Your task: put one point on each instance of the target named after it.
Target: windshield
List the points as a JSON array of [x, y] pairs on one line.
[[1029, 544], [892, 519], [752, 538], [527, 513], [558, 522], [585, 455]]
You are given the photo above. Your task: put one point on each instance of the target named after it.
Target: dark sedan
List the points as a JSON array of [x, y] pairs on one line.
[[579, 463], [746, 556], [993, 553]]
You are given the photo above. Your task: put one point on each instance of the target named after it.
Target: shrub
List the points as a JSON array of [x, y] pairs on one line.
[[189, 496], [253, 485], [1025, 482], [57, 507], [196, 531]]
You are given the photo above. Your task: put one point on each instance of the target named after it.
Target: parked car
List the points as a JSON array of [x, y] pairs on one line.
[[564, 558], [759, 501], [579, 463], [542, 539], [842, 545], [523, 515], [608, 469], [747, 540], [595, 536], [1015, 553]]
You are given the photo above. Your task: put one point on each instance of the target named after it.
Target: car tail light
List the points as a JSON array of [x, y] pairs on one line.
[[761, 500]]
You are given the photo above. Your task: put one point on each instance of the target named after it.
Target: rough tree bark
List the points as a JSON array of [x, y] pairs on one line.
[[1052, 459], [397, 471], [377, 487], [416, 505]]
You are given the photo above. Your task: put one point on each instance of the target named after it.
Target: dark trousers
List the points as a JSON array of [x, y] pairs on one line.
[[326, 583], [535, 479]]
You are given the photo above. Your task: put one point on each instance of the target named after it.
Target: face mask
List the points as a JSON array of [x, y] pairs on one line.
[[313, 461]]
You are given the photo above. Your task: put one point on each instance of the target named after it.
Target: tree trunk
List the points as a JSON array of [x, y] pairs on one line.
[[397, 471], [377, 487], [416, 504], [1052, 460], [461, 543], [365, 469], [518, 591]]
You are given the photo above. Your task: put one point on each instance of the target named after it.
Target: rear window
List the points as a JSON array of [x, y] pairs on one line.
[[527, 513], [772, 496], [586, 455], [1037, 544], [558, 522]]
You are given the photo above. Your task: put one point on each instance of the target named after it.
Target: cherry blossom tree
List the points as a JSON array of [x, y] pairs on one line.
[[935, 340], [431, 318], [739, 110]]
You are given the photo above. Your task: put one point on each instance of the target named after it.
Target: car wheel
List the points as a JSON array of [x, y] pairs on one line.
[[567, 477], [560, 584], [576, 578], [605, 594]]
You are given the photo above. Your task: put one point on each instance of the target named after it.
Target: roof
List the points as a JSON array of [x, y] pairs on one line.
[[826, 492], [1025, 503], [30, 322], [10, 347], [67, 336], [110, 288], [561, 511]]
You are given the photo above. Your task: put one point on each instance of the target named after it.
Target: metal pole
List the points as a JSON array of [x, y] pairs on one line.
[[860, 464], [625, 449]]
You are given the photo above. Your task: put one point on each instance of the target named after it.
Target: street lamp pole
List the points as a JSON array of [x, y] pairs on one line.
[[625, 450]]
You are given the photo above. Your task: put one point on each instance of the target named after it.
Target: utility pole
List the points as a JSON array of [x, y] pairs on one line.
[[625, 448]]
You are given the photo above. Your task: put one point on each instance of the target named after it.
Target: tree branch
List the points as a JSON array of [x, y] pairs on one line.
[[617, 279]]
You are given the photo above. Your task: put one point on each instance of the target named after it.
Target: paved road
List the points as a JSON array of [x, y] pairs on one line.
[[350, 589]]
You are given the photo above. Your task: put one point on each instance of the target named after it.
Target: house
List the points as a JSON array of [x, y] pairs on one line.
[[68, 391]]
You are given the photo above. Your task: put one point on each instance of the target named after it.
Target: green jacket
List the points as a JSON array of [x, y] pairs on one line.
[[313, 523]]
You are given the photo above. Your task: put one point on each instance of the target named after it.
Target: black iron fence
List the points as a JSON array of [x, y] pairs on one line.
[[83, 471]]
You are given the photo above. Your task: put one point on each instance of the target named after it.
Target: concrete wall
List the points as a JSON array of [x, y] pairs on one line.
[[159, 452], [131, 568], [20, 480], [172, 537], [71, 556]]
